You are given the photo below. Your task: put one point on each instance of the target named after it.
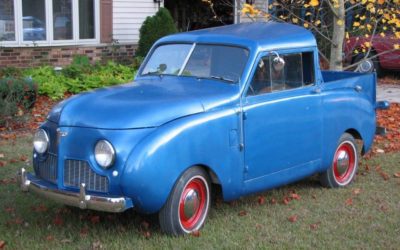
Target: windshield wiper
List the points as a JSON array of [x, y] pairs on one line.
[[222, 78], [150, 73]]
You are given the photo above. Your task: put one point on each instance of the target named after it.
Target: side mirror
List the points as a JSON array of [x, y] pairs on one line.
[[277, 62]]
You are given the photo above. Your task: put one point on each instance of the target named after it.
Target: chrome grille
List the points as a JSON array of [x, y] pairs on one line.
[[77, 172], [47, 169]]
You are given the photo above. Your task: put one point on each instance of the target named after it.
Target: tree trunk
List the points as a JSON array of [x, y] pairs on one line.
[[335, 62]]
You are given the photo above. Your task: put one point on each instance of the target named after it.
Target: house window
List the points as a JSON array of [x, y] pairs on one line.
[[62, 20], [86, 19], [34, 20], [49, 22], [7, 23]]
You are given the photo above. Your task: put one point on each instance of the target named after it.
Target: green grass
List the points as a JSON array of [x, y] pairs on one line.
[[325, 219]]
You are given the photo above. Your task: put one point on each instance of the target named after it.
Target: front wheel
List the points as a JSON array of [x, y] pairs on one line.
[[344, 164], [187, 206]]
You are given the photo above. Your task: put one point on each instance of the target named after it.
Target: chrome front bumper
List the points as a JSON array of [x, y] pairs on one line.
[[82, 200]]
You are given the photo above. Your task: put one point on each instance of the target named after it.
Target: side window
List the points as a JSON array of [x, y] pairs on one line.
[[261, 82], [297, 72]]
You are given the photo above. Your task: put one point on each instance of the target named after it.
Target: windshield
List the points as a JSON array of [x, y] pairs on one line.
[[219, 62]]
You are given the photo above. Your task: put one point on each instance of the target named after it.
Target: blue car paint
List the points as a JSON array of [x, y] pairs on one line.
[[162, 125]]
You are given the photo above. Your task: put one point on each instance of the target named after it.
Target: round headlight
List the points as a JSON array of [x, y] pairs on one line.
[[104, 153], [41, 141]]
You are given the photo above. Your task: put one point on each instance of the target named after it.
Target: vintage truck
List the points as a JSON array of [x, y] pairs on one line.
[[244, 106]]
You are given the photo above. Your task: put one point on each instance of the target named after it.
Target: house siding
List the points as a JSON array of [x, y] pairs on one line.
[[128, 17]]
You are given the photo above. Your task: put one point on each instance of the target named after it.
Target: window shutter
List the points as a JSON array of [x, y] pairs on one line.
[[106, 22]]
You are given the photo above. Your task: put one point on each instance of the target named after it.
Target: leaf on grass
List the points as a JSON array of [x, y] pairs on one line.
[[3, 163], [23, 158], [397, 175], [144, 225], [315, 226], [196, 233], [13, 161], [349, 202], [286, 200], [94, 219], [49, 237], [84, 232], [261, 200], [384, 175], [2, 244], [295, 196], [58, 221], [1, 155], [273, 201], [356, 191], [293, 218], [242, 213]]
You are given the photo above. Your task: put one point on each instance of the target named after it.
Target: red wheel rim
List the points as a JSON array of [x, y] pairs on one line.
[[344, 162], [193, 203]]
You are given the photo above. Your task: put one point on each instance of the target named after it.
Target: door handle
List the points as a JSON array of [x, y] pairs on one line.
[[358, 88]]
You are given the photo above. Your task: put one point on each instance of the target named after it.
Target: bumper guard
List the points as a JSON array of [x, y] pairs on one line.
[[81, 199]]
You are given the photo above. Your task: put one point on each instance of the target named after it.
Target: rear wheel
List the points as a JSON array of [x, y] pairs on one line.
[[187, 206], [344, 164]]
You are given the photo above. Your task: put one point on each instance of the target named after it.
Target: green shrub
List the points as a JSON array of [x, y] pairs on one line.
[[49, 82], [79, 76], [10, 72], [14, 94], [153, 28]]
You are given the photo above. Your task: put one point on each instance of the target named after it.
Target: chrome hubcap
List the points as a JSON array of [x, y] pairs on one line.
[[343, 162], [191, 203]]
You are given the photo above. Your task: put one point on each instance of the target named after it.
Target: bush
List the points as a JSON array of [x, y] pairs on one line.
[[14, 94], [79, 76], [153, 28]]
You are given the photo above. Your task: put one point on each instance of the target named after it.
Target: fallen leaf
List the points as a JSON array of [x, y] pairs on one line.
[[3, 163], [349, 202], [397, 175], [286, 200], [295, 196], [97, 245], [314, 196], [58, 221], [147, 234], [273, 201], [144, 225], [258, 226], [23, 158], [84, 232], [242, 213], [2, 244], [356, 191], [9, 209], [385, 176], [65, 241], [1, 155], [196, 233], [383, 208], [292, 218], [381, 151], [314, 226], [13, 161], [95, 219], [261, 200], [50, 237]]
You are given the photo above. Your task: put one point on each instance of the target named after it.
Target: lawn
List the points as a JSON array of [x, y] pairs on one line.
[[302, 215]]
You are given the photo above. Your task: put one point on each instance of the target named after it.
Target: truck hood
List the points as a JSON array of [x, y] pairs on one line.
[[145, 103]]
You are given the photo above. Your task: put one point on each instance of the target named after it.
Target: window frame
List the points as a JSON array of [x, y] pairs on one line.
[[281, 53], [19, 35]]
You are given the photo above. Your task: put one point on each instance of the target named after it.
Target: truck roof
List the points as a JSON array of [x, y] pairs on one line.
[[254, 35]]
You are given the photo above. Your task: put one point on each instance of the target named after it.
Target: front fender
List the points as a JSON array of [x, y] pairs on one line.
[[157, 162]]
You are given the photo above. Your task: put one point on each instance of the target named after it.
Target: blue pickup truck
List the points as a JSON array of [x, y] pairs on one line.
[[244, 106]]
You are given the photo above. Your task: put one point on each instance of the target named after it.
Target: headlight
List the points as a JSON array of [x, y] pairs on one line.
[[41, 141], [104, 153]]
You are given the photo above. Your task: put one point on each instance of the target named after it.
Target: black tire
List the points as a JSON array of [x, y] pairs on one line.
[[344, 164], [193, 189], [373, 61]]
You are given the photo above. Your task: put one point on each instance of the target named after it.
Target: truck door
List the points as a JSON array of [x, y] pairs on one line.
[[282, 123]]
